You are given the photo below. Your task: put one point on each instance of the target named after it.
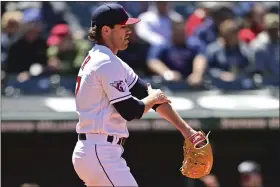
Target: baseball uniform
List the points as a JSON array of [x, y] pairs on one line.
[[103, 80], [105, 85]]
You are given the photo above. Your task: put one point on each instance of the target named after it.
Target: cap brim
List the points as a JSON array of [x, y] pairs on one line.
[[131, 21]]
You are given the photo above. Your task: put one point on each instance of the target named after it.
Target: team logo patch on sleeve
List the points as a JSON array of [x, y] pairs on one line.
[[119, 85]]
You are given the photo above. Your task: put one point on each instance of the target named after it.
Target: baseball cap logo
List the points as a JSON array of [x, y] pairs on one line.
[[119, 85]]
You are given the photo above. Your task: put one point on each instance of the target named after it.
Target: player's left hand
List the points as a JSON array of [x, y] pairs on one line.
[[198, 156], [160, 97]]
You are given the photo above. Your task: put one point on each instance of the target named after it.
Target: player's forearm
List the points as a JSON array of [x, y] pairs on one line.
[[149, 103], [166, 111]]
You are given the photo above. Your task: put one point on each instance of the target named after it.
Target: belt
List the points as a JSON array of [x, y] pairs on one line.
[[82, 136]]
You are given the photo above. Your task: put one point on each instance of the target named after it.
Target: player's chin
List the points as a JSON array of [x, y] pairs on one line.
[[123, 47]]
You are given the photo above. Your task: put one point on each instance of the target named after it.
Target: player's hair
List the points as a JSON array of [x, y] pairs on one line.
[[94, 33]]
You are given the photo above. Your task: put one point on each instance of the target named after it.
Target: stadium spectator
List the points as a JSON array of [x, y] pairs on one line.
[[266, 48], [3, 8], [179, 61], [250, 174], [198, 16], [135, 8], [154, 29], [272, 7], [227, 57], [30, 49], [52, 13], [208, 31], [136, 54], [210, 181], [253, 16], [10, 27], [29, 185], [65, 54], [155, 25]]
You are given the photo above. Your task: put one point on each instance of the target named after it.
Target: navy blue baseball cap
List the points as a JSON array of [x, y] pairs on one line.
[[111, 14]]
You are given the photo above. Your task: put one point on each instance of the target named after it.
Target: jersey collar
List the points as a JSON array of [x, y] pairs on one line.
[[102, 48]]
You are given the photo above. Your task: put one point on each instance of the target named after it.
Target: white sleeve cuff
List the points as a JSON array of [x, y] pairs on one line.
[[133, 82], [112, 101]]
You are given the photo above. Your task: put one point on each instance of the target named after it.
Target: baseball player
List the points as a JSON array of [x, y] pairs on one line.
[[108, 94]]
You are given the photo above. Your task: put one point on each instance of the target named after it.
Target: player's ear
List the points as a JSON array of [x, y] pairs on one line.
[[106, 30]]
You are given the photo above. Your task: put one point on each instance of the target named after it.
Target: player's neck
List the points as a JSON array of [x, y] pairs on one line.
[[109, 46], [114, 50]]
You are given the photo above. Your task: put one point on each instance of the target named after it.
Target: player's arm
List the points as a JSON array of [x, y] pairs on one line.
[[119, 95], [165, 110], [133, 108], [137, 87], [140, 91]]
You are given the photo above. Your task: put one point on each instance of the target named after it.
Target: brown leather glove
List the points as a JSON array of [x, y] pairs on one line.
[[198, 156]]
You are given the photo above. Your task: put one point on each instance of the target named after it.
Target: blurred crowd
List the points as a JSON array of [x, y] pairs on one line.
[[249, 175], [229, 44]]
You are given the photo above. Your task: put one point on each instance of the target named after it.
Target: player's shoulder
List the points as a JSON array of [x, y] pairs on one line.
[[102, 56], [123, 64]]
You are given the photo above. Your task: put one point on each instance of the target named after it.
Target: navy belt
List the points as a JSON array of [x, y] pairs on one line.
[[82, 136]]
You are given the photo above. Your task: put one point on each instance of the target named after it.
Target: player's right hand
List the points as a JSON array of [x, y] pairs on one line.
[[157, 95]]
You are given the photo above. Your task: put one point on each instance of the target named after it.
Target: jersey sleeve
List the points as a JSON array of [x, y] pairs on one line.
[[113, 79], [131, 76]]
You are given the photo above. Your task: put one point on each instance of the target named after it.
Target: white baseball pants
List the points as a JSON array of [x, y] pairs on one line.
[[99, 162]]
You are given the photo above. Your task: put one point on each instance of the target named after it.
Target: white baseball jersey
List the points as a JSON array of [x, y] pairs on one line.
[[103, 80]]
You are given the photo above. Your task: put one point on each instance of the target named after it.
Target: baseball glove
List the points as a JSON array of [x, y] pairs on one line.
[[198, 156]]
